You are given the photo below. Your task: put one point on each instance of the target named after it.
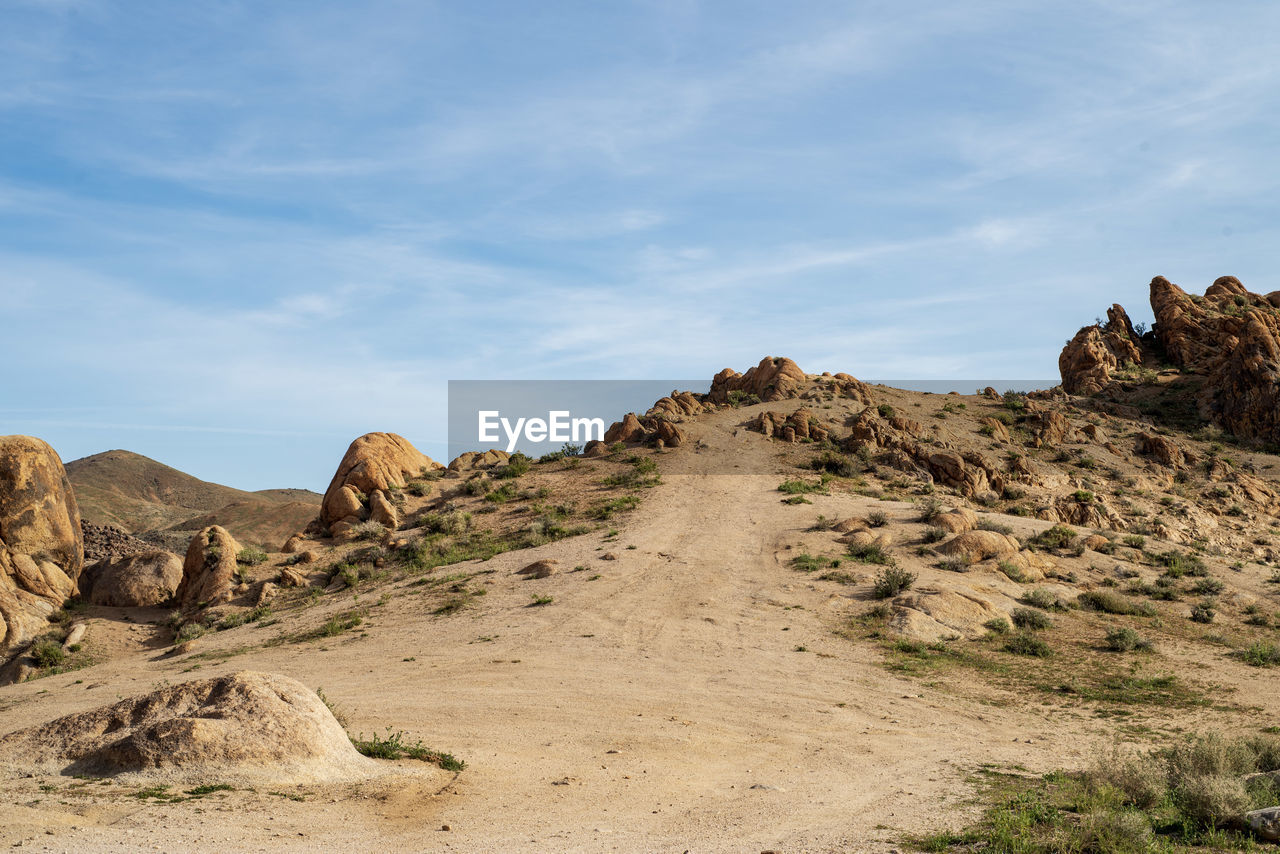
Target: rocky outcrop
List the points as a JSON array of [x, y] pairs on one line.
[[649, 430], [900, 443], [208, 573], [106, 541], [798, 426], [374, 463], [473, 460], [975, 546], [243, 728], [775, 378], [41, 544], [142, 580], [1228, 340], [1096, 352]]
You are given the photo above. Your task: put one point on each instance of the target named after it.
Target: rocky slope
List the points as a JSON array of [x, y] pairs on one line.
[[1219, 351]]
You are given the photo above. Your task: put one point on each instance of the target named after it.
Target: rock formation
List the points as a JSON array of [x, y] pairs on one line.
[[247, 727], [373, 465], [775, 378], [208, 573], [141, 580], [104, 541], [41, 544], [1227, 340]]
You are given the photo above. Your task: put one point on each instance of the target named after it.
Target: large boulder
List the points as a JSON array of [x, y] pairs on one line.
[[975, 546], [141, 580], [374, 463], [244, 728], [208, 573], [41, 544]]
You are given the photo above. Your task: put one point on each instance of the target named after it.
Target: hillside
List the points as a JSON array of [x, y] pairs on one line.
[[714, 661], [143, 496]]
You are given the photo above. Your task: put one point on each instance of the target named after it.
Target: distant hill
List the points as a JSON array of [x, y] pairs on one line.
[[144, 496]]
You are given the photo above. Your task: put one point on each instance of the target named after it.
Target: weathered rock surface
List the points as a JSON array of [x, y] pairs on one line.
[[540, 569], [775, 378], [41, 544], [974, 546], [1228, 340], [208, 573], [247, 727], [374, 463], [106, 541], [1265, 823], [141, 580]]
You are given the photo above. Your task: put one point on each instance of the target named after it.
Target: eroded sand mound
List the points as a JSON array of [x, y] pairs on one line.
[[245, 727]]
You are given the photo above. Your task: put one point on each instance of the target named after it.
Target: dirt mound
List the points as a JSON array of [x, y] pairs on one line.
[[246, 727], [41, 546]]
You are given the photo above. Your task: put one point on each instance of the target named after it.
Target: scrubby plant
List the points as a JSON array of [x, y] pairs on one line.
[[877, 519], [871, 553], [1030, 618], [1043, 598], [933, 534], [1026, 643], [891, 581], [1057, 537], [997, 625], [1125, 639], [47, 653], [251, 556], [834, 463], [1203, 612], [1111, 602], [1012, 571]]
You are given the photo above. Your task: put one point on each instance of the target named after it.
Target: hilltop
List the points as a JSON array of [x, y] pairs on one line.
[[144, 497]]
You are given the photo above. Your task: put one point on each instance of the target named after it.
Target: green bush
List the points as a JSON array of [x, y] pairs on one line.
[[1125, 639], [1057, 537], [871, 553], [1110, 602], [251, 556], [47, 653], [834, 463], [1203, 613], [891, 581], [1025, 643], [1030, 618]]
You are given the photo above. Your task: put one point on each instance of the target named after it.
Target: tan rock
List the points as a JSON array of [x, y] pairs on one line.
[[974, 546], [374, 462], [933, 615], [956, 520], [142, 580], [383, 511], [294, 544], [775, 378], [208, 573], [539, 569], [246, 728], [41, 542], [290, 577]]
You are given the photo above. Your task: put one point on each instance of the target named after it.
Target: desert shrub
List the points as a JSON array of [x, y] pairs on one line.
[[394, 746], [800, 487], [477, 485], [1207, 586], [1041, 597], [885, 410], [806, 562], [738, 398], [871, 553], [986, 523], [1030, 618], [251, 556], [1025, 643], [1203, 612], [934, 534], [1012, 571], [1110, 602], [834, 463], [955, 564], [449, 522], [1204, 775], [1260, 654], [1082, 496], [1135, 541], [997, 625], [1125, 639], [1177, 564], [606, 509], [1057, 537], [1139, 778], [47, 653], [519, 464], [930, 509], [368, 531], [189, 631], [877, 519], [502, 494], [891, 581]]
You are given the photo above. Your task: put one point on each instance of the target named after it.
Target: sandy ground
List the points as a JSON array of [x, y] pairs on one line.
[[661, 706]]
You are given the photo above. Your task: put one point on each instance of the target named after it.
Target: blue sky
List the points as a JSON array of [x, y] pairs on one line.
[[233, 235]]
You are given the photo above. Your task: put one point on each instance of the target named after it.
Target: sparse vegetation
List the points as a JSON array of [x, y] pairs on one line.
[[891, 581], [394, 745]]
